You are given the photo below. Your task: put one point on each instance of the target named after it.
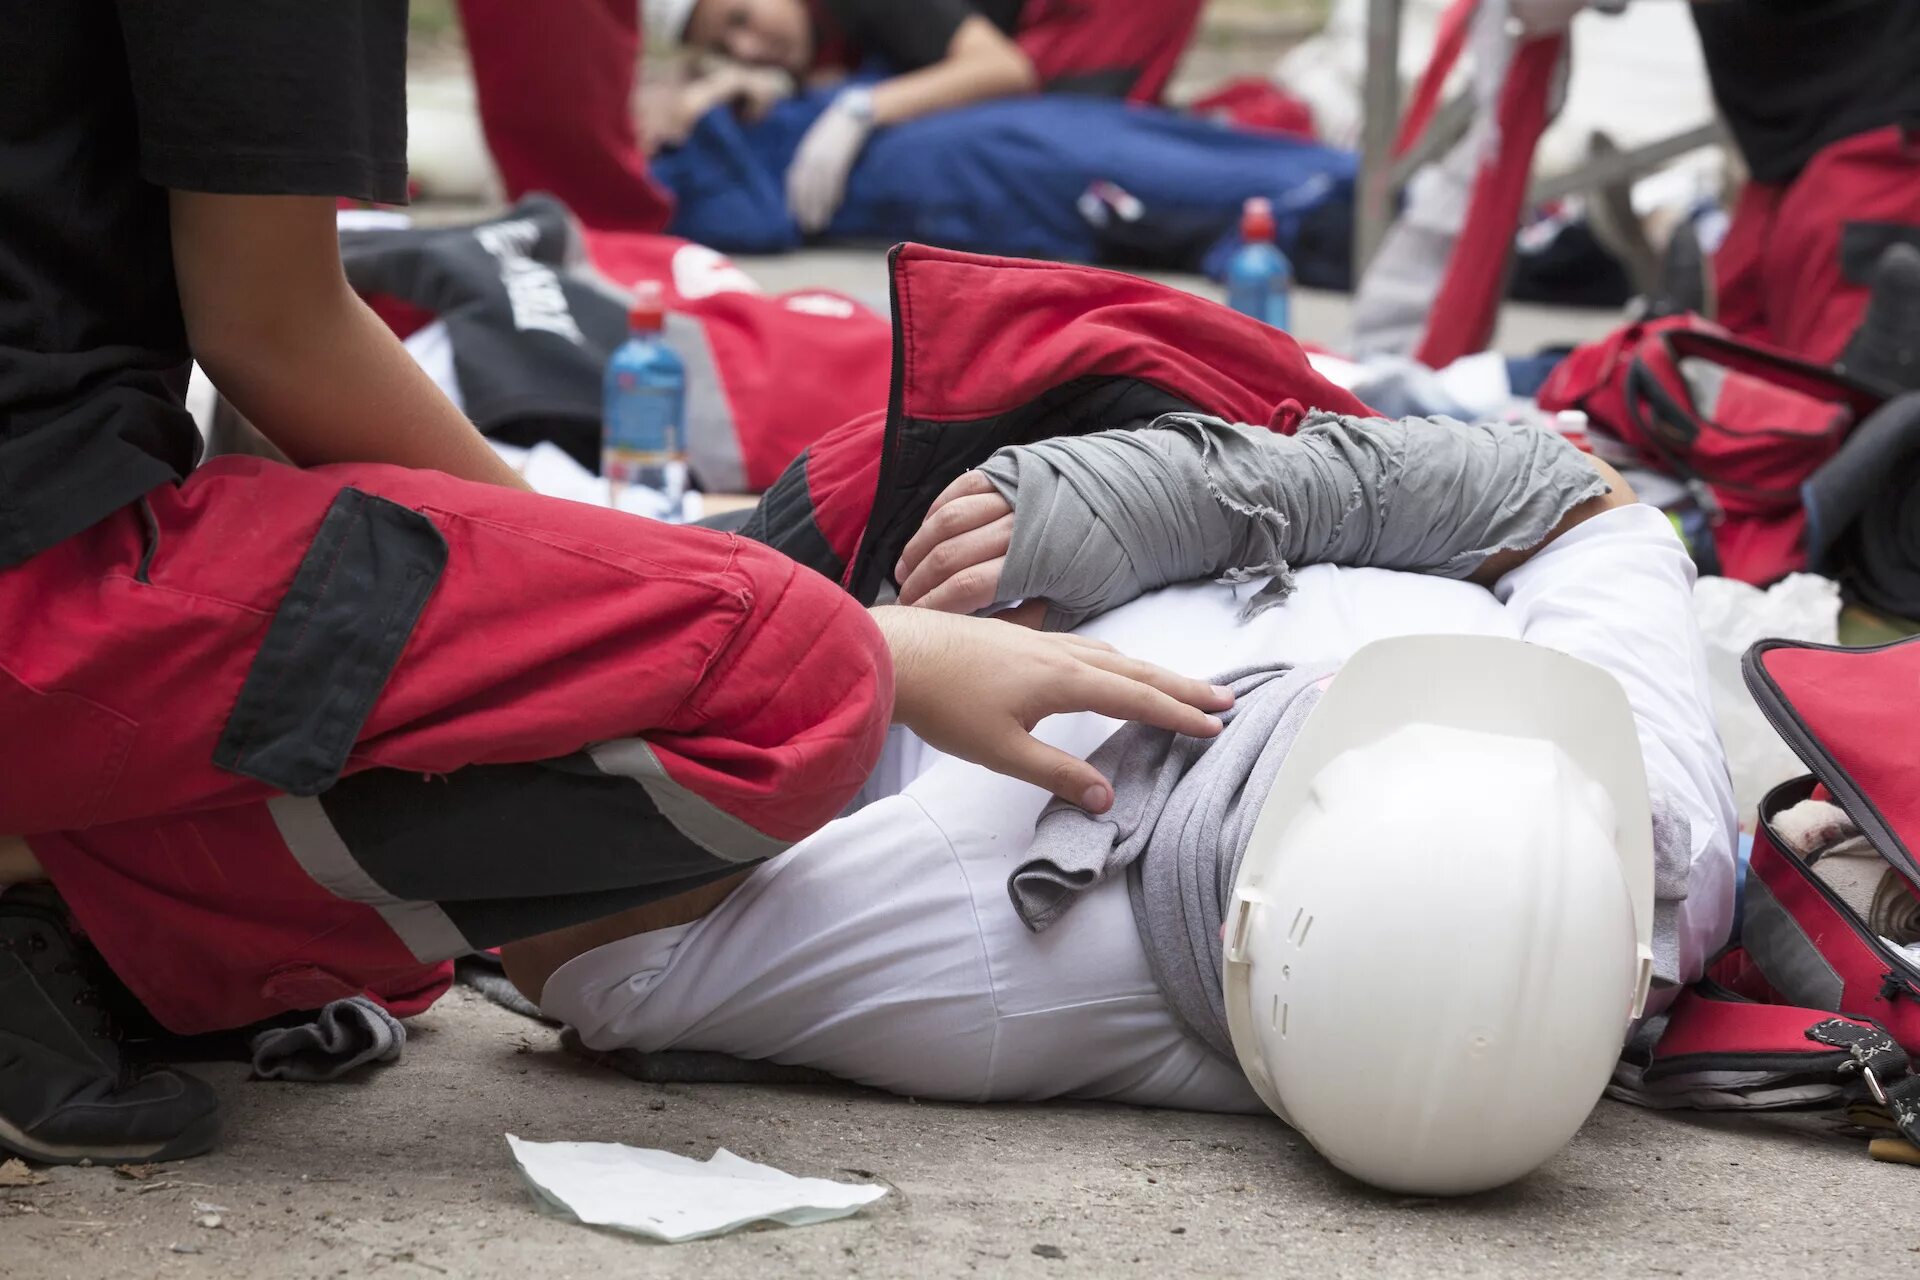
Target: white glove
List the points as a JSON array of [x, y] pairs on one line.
[[817, 179]]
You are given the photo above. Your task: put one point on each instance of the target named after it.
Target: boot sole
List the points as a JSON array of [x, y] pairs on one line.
[[196, 1139]]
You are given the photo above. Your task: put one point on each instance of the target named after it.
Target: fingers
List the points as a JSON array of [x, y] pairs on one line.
[[1123, 698], [966, 504], [1070, 778], [986, 544], [967, 484], [1195, 693], [968, 591]]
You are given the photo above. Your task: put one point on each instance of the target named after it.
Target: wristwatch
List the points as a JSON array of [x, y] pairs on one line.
[[856, 102]]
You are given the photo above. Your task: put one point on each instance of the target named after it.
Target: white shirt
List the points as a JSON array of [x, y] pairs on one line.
[[884, 949]]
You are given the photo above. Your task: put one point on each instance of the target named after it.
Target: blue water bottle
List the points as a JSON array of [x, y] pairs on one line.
[[644, 444], [1260, 279]]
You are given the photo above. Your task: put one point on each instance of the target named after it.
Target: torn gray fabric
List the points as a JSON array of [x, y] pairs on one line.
[[1103, 518], [342, 1038], [1183, 812]]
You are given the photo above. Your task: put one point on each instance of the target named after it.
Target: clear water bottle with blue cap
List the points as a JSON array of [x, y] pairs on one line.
[[1260, 279], [644, 445]]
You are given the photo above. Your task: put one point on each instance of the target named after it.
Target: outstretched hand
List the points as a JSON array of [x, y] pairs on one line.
[[954, 562], [976, 687]]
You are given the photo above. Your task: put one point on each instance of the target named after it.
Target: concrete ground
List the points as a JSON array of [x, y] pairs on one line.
[[406, 1174]]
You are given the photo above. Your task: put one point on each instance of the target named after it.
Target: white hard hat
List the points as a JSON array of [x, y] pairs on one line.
[[1442, 927], [665, 21]]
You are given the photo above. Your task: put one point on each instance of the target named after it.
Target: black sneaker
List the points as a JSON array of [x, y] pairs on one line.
[[66, 1093], [1885, 350]]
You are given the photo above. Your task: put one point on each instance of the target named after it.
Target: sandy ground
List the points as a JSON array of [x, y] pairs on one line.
[[406, 1174]]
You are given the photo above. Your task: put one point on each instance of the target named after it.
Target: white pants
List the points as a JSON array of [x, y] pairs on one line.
[[884, 949]]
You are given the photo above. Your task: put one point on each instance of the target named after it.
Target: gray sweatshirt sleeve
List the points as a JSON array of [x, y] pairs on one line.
[[1100, 519]]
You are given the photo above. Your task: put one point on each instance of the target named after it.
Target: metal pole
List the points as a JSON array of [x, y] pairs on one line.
[[1624, 166], [1380, 99]]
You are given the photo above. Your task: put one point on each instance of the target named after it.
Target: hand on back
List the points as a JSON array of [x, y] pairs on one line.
[[976, 687]]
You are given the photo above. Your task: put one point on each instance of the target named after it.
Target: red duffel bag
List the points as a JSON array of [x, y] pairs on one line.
[[1816, 1005], [1741, 425]]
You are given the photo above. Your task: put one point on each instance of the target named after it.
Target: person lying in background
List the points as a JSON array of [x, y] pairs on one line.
[[941, 54], [885, 949]]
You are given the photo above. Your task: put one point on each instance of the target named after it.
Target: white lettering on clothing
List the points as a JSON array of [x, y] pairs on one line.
[[533, 289]]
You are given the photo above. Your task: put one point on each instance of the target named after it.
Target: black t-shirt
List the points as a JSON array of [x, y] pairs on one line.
[[909, 34], [1792, 76], [104, 104]]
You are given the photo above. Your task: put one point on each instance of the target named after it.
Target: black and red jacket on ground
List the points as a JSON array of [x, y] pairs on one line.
[[989, 352], [534, 305]]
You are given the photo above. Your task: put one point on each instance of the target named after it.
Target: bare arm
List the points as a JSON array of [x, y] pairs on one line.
[[1619, 494], [981, 64], [271, 318]]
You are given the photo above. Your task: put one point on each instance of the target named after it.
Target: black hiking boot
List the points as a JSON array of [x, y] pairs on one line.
[[66, 1093], [1885, 350]]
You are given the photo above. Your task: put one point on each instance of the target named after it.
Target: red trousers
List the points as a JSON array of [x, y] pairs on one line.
[[280, 736], [555, 80], [1125, 48], [1792, 271]]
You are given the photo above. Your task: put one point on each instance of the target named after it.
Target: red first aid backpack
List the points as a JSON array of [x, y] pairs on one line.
[[1811, 1006], [1742, 426]]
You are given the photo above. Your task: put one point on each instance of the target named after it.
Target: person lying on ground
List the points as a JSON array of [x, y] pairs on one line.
[[898, 948], [941, 54], [242, 724]]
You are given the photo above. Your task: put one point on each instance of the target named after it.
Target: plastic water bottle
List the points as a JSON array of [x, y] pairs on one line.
[[644, 443], [1260, 279]]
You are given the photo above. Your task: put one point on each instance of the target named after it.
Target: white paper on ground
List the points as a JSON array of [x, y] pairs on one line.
[[671, 1197]]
